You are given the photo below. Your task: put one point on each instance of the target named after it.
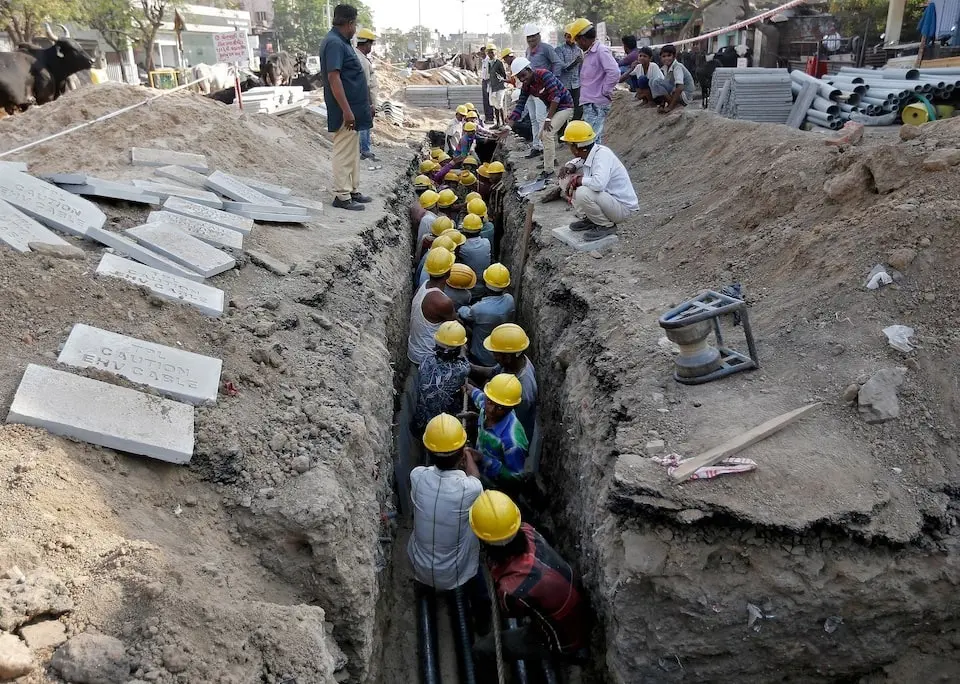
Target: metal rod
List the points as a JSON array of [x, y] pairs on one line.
[[427, 636], [461, 632]]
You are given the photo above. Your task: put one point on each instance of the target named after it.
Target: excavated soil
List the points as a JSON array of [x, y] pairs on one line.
[[263, 560], [845, 538]]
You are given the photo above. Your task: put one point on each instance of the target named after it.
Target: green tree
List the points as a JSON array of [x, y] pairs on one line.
[[113, 19], [302, 24], [147, 17], [23, 19], [853, 16]]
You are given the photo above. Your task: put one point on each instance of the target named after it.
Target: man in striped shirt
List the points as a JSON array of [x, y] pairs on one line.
[[544, 85]]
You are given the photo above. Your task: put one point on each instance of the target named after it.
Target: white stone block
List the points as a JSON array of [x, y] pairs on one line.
[[211, 233], [270, 217], [167, 190], [228, 205], [221, 218], [13, 166], [208, 299], [312, 206], [237, 191], [66, 178], [575, 240], [116, 191], [277, 192], [18, 230], [142, 156], [186, 250], [182, 175], [138, 252], [103, 414], [182, 375], [50, 205]]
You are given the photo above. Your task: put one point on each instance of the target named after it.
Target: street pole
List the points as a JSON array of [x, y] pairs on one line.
[[420, 28], [463, 30], [329, 16]]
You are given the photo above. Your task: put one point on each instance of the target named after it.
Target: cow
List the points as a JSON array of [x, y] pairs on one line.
[[216, 77], [38, 75], [724, 57], [278, 70]]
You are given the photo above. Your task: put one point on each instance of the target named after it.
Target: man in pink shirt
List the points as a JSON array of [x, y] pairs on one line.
[[598, 75]]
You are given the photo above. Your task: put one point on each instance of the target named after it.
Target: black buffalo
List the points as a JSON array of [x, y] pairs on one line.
[[278, 70], [228, 95], [37, 75]]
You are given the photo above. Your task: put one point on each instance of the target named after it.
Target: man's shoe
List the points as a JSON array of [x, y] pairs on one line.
[[599, 233], [370, 156], [583, 224], [349, 204], [364, 155], [534, 153], [547, 175], [362, 199]]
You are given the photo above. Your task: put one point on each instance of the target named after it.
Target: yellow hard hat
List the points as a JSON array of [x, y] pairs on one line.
[[422, 181], [447, 198], [467, 178], [494, 518], [482, 170], [578, 26], [472, 224], [439, 261], [451, 176], [470, 106], [476, 205], [429, 199], [498, 276], [440, 225], [365, 35], [470, 161], [451, 334], [504, 389], [507, 338], [491, 46], [444, 241], [462, 277], [472, 114], [504, 52], [428, 165], [578, 132], [435, 152], [455, 235], [472, 196], [469, 127], [443, 157], [497, 167], [462, 110], [444, 433]]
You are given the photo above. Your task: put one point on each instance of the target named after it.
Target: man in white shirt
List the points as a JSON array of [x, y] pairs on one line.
[[597, 184], [443, 550], [646, 72], [675, 89]]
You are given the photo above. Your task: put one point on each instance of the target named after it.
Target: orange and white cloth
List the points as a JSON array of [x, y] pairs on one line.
[[728, 466]]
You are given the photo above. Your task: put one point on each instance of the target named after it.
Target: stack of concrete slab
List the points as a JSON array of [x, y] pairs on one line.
[[165, 285], [142, 156], [82, 184], [211, 233], [127, 247], [117, 417], [240, 224], [274, 99], [428, 96], [48, 204], [167, 190], [19, 230], [186, 250]]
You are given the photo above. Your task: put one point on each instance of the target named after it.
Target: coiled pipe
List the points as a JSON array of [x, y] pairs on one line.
[[427, 636], [461, 628]]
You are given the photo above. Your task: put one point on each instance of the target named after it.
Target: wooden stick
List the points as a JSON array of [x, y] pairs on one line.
[[527, 230], [739, 443]]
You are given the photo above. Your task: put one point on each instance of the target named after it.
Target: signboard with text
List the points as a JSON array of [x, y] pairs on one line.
[[231, 47]]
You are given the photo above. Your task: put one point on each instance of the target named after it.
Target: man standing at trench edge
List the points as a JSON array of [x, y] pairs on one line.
[[349, 110]]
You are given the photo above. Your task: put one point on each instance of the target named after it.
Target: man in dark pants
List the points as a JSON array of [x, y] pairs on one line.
[[530, 580], [348, 106], [571, 57]]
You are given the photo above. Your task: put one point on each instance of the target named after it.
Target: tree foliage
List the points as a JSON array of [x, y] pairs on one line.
[[23, 19], [853, 16], [302, 24], [113, 19]]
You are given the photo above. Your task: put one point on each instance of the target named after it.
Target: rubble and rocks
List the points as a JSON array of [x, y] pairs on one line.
[[16, 659], [942, 159], [91, 658], [877, 399], [26, 598]]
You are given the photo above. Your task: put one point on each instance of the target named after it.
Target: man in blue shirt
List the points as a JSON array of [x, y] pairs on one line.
[[541, 56], [348, 106], [490, 312]]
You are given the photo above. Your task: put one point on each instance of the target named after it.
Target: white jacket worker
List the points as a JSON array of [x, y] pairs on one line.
[[596, 182]]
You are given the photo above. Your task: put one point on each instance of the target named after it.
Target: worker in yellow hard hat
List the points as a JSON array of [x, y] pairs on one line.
[[501, 440], [458, 238], [472, 196], [442, 376], [497, 83], [455, 129], [444, 552], [533, 582], [460, 282], [495, 171], [466, 183], [571, 58], [365, 39], [477, 206], [596, 183], [437, 228], [489, 312], [447, 203], [427, 202], [476, 251], [470, 163], [421, 184], [420, 275], [507, 344], [435, 153], [467, 140], [430, 306]]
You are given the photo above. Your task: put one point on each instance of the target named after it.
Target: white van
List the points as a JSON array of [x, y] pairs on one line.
[[313, 65]]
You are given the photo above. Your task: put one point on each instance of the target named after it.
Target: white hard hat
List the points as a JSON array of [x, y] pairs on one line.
[[530, 30], [519, 64]]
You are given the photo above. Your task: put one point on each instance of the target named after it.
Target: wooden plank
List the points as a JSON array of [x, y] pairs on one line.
[[739, 443], [527, 230], [805, 98], [941, 63]]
